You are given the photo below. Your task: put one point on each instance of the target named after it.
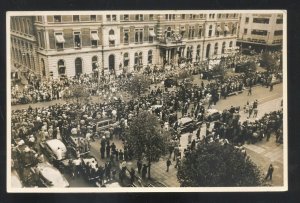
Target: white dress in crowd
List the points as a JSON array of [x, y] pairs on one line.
[[58, 136]]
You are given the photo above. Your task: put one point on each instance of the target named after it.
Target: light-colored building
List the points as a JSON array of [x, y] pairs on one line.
[[261, 30], [24, 58], [113, 43]]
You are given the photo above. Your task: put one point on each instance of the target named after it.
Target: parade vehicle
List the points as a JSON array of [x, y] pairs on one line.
[[77, 143], [89, 168], [56, 152], [212, 115], [186, 124], [48, 176]]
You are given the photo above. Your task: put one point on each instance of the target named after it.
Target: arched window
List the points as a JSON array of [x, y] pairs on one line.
[[17, 55], [61, 67], [150, 57], [140, 58], [23, 25], [26, 26], [78, 66], [29, 27], [210, 31], [126, 59], [111, 37], [136, 59], [168, 34], [207, 51], [43, 67], [223, 47], [13, 22], [191, 52], [111, 32], [13, 54], [28, 61], [20, 57], [18, 25], [33, 62], [216, 48], [198, 53], [230, 44], [94, 62]]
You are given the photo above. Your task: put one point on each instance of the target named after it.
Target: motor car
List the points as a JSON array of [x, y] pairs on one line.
[[50, 148], [89, 168], [76, 143], [212, 115], [185, 124], [105, 125], [49, 176]]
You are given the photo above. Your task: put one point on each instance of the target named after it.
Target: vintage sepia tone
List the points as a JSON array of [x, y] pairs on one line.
[[129, 101]]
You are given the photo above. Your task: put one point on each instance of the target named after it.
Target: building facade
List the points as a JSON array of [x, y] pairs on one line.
[[261, 30], [116, 43], [24, 58]]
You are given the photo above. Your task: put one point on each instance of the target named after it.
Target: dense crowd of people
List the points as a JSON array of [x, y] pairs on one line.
[[32, 126]]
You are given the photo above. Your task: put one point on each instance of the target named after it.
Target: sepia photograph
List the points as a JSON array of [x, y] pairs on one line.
[[146, 101]]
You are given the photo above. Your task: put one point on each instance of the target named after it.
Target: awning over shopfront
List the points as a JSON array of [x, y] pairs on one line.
[[152, 34], [60, 38], [95, 36], [219, 29]]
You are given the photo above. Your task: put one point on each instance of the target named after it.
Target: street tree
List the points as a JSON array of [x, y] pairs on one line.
[[268, 61], [77, 94], [137, 85], [217, 165], [146, 139], [219, 70], [249, 67]]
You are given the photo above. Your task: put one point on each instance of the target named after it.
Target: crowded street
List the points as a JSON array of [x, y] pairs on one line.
[[268, 102], [161, 104]]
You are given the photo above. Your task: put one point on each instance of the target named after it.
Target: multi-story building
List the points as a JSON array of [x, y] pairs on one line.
[[261, 30], [114, 42], [24, 58]]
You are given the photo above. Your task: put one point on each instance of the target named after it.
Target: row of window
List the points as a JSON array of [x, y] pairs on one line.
[[21, 43], [138, 60], [263, 32], [75, 18], [21, 25], [23, 58], [140, 17], [263, 20]]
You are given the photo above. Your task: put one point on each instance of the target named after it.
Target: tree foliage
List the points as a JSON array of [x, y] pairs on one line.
[[138, 85], [218, 165], [145, 139], [249, 66], [268, 61], [78, 94]]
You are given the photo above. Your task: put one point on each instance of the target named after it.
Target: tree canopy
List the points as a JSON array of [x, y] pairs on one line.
[[216, 165], [78, 94], [137, 85], [145, 139], [268, 61]]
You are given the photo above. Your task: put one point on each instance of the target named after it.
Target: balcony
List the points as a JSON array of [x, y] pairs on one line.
[[171, 41]]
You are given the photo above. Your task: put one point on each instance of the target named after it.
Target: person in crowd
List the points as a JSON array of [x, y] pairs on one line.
[[168, 164], [270, 172]]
